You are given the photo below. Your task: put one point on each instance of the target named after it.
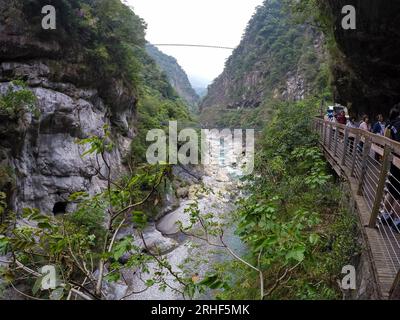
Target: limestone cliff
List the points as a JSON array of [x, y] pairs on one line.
[[74, 101]]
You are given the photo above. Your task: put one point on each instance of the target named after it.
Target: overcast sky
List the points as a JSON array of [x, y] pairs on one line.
[[208, 22]]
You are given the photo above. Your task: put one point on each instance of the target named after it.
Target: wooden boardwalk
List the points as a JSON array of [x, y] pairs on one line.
[[368, 162]]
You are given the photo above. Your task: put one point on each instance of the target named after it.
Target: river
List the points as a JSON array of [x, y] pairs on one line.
[[216, 193]]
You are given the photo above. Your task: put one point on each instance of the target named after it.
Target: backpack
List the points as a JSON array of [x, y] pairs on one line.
[[388, 132]]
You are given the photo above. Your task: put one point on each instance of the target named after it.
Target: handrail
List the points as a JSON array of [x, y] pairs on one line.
[[373, 164], [375, 138]]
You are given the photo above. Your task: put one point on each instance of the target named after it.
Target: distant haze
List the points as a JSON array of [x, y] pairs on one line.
[[206, 22]]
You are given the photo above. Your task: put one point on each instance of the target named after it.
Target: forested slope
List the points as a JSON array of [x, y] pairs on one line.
[[176, 76], [278, 59]]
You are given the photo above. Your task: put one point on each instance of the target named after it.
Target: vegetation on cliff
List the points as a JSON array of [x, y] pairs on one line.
[[294, 223], [106, 33], [279, 58], [298, 232], [97, 45], [176, 76], [158, 104], [17, 101]]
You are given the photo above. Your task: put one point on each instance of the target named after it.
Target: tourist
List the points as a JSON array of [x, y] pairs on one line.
[[351, 123], [330, 115], [379, 126], [365, 125], [341, 117], [393, 126]]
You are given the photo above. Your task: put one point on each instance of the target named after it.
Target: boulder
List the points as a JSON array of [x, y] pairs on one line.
[[182, 192]]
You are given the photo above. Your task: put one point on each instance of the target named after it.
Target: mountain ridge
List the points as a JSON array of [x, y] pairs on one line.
[[277, 60], [177, 77]]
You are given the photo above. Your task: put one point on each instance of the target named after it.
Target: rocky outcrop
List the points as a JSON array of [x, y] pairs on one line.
[[366, 67], [43, 152]]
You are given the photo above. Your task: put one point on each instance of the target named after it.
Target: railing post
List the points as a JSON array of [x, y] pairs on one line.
[[322, 128], [353, 164], [346, 141], [336, 137], [321, 131], [324, 133], [387, 159], [395, 291], [330, 137], [366, 149]]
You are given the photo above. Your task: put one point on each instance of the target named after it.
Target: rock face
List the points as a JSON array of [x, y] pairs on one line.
[[42, 151], [367, 71], [176, 76], [48, 161]]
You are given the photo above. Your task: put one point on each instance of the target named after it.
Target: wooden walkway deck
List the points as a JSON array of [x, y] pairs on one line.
[[366, 161]]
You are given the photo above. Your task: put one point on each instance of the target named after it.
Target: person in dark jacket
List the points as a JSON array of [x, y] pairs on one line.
[[392, 129], [379, 126]]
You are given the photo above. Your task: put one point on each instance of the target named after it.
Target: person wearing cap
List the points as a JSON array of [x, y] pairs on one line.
[[330, 116]]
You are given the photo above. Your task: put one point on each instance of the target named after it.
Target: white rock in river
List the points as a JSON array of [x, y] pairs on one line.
[[155, 241], [169, 224]]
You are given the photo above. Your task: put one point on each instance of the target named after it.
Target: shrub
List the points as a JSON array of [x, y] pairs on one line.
[[18, 100]]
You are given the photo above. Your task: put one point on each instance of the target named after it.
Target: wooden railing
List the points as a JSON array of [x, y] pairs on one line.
[[372, 164]]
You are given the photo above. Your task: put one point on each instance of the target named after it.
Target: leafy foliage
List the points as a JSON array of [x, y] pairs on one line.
[[106, 34], [277, 47], [17, 101], [292, 223], [86, 240], [154, 112]]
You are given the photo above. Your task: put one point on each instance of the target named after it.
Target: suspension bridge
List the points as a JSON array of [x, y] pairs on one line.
[[192, 45]]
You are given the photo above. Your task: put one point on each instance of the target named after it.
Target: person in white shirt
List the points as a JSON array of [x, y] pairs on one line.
[[365, 125]]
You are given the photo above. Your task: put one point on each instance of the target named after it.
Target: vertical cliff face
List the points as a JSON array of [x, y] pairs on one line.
[[277, 59], [74, 101], [176, 76], [47, 162], [367, 66]]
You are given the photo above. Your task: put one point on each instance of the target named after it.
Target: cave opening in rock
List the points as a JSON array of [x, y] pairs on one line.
[[60, 208]]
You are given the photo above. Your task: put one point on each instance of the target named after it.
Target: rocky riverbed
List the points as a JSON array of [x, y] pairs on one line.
[[213, 191]]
